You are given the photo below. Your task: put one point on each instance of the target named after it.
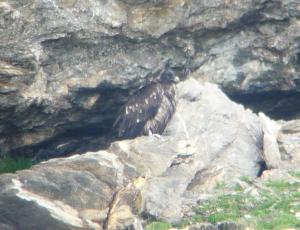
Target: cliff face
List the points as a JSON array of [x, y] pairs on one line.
[[67, 66]]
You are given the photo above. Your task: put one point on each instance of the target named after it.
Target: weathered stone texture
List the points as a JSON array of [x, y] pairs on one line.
[[155, 176], [66, 68], [69, 65]]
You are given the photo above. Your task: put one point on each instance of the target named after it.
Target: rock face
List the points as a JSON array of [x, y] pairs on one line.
[[153, 176], [66, 67], [281, 149], [271, 153], [288, 140]]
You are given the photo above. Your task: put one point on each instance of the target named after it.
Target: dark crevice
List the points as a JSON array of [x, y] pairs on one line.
[[278, 105], [73, 141], [90, 132], [262, 167]]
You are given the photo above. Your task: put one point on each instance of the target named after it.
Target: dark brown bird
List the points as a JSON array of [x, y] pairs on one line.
[[149, 110]]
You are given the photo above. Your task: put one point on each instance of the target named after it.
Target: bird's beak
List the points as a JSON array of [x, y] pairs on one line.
[[176, 79]]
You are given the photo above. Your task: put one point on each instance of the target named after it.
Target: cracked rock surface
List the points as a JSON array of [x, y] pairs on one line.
[[67, 66]]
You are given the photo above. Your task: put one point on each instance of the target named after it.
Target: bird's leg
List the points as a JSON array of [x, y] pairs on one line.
[[158, 136], [153, 134]]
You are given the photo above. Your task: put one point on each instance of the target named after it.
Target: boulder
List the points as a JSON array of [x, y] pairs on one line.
[[289, 142], [68, 66], [70, 193], [281, 149], [271, 153]]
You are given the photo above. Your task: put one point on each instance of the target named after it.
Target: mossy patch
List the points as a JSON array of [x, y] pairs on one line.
[[11, 165]]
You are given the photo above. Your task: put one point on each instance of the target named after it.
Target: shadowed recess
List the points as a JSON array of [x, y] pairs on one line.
[[276, 104]]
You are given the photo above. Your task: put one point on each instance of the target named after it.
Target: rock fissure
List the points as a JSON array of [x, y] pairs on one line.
[[278, 105]]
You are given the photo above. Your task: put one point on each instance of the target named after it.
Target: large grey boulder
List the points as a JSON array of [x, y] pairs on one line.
[[289, 142], [281, 143], [213, 139], [209, 140], [271, 152], [71, 193]]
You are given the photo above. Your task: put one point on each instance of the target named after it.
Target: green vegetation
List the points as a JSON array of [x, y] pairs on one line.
[[267, 205], [11, 165], [246, 179], [274, 207], [158, 226], [295, 173]]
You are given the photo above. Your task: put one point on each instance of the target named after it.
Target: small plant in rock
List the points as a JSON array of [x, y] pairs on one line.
[[11, 165]]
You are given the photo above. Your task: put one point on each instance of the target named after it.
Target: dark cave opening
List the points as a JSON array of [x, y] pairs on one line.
[[75, 140], [91, 131], [278, 105], [262, 167]]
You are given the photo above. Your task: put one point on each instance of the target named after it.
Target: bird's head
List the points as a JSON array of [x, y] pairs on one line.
[[168, 76]]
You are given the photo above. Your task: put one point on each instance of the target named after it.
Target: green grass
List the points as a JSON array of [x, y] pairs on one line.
[[246, 179], [11, 165], [273, 207], [276, 221], [225, 207], [295, 173], [186, 222], [281, 185], [220, 186], [157, 225]]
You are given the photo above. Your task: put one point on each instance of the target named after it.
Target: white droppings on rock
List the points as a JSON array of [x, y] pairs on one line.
[[183, 125]]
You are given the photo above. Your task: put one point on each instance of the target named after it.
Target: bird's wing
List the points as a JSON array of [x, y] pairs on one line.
[[164, 113], [140, 108]]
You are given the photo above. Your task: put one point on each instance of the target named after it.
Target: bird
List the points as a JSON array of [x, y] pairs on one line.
[[148, 111]]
